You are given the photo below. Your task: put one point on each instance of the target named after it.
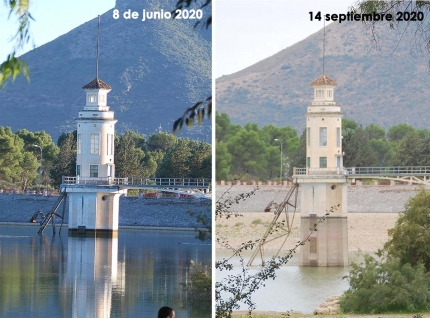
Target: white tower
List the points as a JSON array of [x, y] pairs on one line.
[[323, 184], [95, 135], [93, 196]]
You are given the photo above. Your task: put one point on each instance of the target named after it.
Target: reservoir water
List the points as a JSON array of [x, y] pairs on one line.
[[295, 288], [129, 276]]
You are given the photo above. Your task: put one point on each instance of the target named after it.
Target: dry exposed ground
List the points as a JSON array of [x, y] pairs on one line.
[[372, 210]]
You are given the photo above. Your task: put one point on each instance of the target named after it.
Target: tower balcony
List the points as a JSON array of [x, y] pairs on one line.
[[319, 171]]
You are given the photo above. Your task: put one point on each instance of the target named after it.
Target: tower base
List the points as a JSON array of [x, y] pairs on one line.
[[93, 210], [319, 195]]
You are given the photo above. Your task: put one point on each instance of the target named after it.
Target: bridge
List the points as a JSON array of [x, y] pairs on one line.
[[410, 174], [196, 187]]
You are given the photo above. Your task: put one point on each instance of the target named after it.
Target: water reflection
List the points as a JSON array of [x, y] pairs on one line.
[[129, 276], [92, 267]]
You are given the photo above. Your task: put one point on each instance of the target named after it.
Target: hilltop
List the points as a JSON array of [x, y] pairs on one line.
[[156, 68], [387, 86]]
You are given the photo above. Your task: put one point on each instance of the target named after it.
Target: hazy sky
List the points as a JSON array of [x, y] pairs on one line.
[[52, 19], [246, 31]]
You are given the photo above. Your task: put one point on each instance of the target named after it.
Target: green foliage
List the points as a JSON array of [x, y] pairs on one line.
[[400, 281], [65, 163], [13, 66], [358, 152], [298, 157], [410, 236], [398, 132], [223, 161], [389, 286], [186, 159], [199, 284], [161, 141], [252, 150], [197, 112], [127, 156], [11, 155]]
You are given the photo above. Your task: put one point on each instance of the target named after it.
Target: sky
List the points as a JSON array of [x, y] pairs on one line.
[[53, 18], [245, 31], [248, 31]]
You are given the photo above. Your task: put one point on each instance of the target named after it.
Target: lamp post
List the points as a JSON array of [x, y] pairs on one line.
[[280, 173], [41, 158]]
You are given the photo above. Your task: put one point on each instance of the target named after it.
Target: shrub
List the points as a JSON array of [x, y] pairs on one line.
[[386, 286]]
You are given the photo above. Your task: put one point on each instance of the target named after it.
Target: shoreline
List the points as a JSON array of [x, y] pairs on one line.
[[124, 227]]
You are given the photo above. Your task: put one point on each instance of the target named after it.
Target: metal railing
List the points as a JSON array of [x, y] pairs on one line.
[[389, 171], [318, 171], [89, 181], [366, 171], [137, 181]]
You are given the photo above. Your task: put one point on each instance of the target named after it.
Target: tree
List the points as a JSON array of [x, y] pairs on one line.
[[175, 162], [198, 160], [407, 153], [358, 153], [374, 131], [162, 141], [11, 155], [400, 280], [13, 66], [419, 33], [128, 157], [65, 163], [410, 236], [398, 132], [298, 157], [223, 161], [248, 153], [28, 172]]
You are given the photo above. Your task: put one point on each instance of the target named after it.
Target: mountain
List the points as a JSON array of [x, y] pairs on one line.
[[157, 69], [386, 86]]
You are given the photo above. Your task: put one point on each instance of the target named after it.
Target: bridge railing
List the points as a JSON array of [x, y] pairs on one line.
[[165, 182], [396, 171], [137, 181], [361, 171]]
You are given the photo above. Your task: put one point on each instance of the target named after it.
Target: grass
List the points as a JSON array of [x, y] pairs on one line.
[[256, 222]]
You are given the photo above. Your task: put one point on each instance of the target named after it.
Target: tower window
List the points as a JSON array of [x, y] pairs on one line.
[[94, 171], [92, 98], [319, 93], [308, 162], [338, 137], [78, 170], [109, 145], [79, 145], [95, 144], [323, 136], [330, 93], [308, 137], [323, 162]]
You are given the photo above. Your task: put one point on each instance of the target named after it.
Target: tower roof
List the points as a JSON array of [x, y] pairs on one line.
[[323, 80], [96, 83]]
